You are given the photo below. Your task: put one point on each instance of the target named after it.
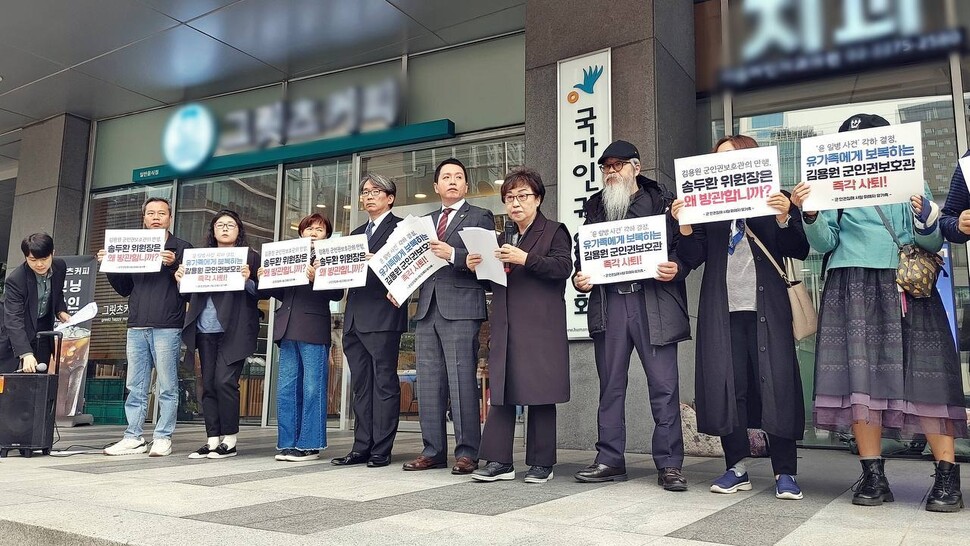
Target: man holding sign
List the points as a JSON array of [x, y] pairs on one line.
[[649, 314], [156, 311]]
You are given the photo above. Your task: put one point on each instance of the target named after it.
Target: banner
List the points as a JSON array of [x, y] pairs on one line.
[[406, 261], [584, 102], [214, 269], [878, 166], [727, 185], [284, 263], [133, 250], [343, 263], [72, 369], [625, 250]]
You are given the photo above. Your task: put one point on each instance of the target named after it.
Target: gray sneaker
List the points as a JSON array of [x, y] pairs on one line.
[[494, 471]]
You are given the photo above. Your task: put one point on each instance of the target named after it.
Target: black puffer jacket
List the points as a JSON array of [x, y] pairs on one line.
[[666, 302]]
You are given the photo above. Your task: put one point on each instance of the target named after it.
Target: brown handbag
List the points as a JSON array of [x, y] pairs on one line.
[[803, 313], [918, 268]]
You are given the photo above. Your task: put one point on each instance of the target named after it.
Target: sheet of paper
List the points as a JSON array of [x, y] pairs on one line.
[[484, 241]]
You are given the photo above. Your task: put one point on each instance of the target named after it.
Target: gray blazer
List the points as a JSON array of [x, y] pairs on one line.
[[457, 293]]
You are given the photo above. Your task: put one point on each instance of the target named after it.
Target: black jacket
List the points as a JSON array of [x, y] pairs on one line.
[[368, 309], [303, 313], [154, 300], [20, 322], [666, 302]]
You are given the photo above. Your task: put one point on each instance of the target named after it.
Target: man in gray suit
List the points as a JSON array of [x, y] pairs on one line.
[[451, 308]]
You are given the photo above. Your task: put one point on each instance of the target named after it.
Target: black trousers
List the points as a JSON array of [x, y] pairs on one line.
[[372, 358], [220, 387], [540, 440], [747, 389]]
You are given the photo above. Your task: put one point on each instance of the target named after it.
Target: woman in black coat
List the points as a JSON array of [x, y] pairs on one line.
[[302, 331], [746, 369], [223, 326], [528, 361]]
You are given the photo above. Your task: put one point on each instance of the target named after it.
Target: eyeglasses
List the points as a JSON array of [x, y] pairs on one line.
[[522, 197], [229, 226], [372, 193], [616, 166]]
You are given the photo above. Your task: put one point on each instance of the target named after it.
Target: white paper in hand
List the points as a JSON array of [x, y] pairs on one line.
[[84, 314], [484, 241]]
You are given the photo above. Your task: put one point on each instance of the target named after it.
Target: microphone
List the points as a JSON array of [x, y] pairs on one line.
[[41, 367], [509, 233]]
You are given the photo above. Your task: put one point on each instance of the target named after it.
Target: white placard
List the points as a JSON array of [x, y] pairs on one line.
[[584, 102], [965, 167], [133, 250], [284, 263], [214, 269], [405, 261], [625, 250], [727, 185], [879, 166], [484, 241], [343, 263]]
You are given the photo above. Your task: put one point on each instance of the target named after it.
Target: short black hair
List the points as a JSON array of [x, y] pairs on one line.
[[38, 245], [450, 161], [210, 236], [523, 176], [144, 207]]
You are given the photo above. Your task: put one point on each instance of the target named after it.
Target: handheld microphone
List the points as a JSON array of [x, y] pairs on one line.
[[509, 233], [41, 367]]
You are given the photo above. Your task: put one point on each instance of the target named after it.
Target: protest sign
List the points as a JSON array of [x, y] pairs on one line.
[[343, 263], [625, 250], [214, 269], [728, 185], [133, 250], [284, 263], [878, 166], [406, 260]]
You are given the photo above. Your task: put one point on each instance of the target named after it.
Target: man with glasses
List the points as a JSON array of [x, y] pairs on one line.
[[451, 308], [649, 315], [372, 337], [156, 312]]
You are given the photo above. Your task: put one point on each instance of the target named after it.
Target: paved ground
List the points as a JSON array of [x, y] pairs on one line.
[[252, 499]]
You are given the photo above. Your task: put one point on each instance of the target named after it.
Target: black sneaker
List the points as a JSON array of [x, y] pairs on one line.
[[282, 455], [538, 474], [201, 453], [297, 455], [494, 471], [222, 452]]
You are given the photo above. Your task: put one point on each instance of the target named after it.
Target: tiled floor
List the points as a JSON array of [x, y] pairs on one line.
[[253, 499]]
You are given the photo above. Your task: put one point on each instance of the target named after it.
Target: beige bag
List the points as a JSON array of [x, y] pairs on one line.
[[803, 314]]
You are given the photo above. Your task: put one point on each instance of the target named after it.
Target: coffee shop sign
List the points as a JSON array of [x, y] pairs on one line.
[[793, 39]]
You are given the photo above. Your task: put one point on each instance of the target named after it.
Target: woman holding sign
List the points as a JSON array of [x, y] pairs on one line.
[[302, 331], [746, 370], [884, 359], [528, 362], [223, 326]]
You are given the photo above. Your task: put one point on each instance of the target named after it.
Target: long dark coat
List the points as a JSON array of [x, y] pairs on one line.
[[528, 363], [780, 409]]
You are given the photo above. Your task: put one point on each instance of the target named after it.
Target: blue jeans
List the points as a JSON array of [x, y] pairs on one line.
[[147, 348], [301, 396]]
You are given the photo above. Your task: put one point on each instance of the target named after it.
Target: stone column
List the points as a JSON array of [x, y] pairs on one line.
[[652, 45], [50, 184]]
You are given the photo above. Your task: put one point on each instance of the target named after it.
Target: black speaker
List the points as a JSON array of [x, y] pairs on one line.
[[27, 412]]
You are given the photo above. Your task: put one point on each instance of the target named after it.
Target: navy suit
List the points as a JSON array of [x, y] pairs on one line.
[[451, 308], [20, 322], [372, 337]]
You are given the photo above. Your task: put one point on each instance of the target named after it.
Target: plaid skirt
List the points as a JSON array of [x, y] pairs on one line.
[[875, 364]]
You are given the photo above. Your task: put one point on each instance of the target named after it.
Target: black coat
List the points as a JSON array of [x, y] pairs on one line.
[[20, 323], [303, 314], [528, 362], [238, 314], [666, 302], [368, 309], [780, 410], [154, 300]]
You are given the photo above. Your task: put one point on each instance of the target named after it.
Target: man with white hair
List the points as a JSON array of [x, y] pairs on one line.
[[649, 315]]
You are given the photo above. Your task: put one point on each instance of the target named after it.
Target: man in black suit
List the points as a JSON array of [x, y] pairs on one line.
[[372, 336], [33, 296]]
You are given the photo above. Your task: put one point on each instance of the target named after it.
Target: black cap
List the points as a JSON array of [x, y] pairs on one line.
[[620, 149], [863, 121]]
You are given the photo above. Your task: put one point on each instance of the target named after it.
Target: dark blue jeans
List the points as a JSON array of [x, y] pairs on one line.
[[301, 396]]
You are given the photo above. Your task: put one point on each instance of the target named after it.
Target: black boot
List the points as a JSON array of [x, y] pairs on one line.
[[872, 488], [945, 495]]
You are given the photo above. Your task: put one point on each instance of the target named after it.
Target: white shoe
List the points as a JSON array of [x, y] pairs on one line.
[[161, 447], [127, 446]]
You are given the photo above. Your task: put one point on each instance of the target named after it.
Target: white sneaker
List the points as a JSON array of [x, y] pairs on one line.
[[127, 446], [161, 447]]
